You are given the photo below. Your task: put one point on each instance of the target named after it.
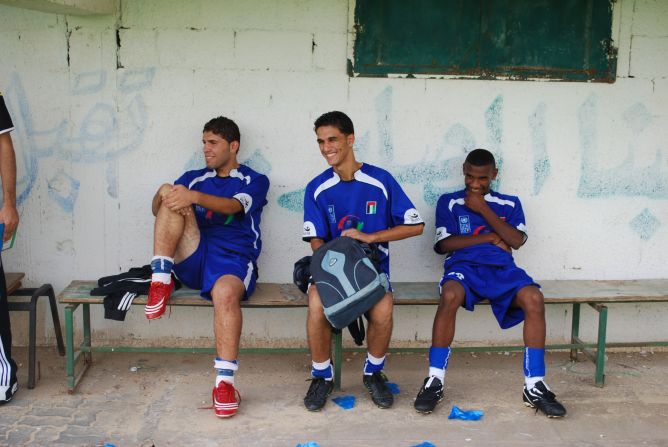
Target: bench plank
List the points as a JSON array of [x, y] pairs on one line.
[[13, 281], [266, 295], [413, 293]]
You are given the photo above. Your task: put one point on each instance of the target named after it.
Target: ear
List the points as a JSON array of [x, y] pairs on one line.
[[494, 172], [234, 146], [350, 139]]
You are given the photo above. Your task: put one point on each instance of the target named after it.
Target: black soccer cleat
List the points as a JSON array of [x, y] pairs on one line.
[[541, 398], [7, 392], [317, 393], [380, 393], [429, 395]]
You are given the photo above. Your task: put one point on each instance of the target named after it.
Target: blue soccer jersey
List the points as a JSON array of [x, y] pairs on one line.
[[371, 202], [454, 218], [238, 233]]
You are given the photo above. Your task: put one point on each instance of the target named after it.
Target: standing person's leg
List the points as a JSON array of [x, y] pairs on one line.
[[175, 237], [378, 340], [319, 333], [453, 296], [227, 294], [536, 393], [8, 383]]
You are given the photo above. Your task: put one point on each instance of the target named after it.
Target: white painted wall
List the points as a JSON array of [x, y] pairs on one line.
[[109, 107]]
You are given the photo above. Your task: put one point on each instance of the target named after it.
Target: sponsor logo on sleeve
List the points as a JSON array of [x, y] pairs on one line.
[[441, 234], [412, 216], [245, 199], [309, 230]]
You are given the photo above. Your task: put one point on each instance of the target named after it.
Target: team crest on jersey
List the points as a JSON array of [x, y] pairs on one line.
[[371, 207], [464, 224], [331, 213]]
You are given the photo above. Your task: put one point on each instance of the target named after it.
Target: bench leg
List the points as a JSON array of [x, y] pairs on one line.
[[69, 346], [575, 330], [72, 357], [338, 348], [600, 349], [86, 326]]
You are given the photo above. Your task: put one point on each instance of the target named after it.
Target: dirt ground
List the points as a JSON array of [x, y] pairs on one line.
[[156, 399]]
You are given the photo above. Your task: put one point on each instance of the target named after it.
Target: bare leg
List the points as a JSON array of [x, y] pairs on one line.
[[380, 326], [531, 301], [452, 298], [318, 329], [227, 294], [174, 234]]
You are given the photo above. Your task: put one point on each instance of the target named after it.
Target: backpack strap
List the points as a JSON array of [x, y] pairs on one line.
[[356, 329]]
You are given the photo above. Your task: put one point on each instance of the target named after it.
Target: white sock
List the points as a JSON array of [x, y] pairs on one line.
[[438, 373], [225, 365], [530, 382], [164, 278], [162, 269]]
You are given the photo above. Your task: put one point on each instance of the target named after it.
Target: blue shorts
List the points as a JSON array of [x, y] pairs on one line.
[[202, 269], [498, 284]]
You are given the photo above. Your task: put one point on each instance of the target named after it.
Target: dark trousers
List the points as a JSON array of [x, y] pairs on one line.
[[7, 365]]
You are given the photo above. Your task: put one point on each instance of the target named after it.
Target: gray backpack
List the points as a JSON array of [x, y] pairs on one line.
[[349, 284]]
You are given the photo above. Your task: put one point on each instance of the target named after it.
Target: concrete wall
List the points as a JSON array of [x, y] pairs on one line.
[[108, 107]]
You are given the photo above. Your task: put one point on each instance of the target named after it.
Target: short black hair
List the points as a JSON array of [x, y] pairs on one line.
[[335, 119], [480, 157], [223, 127]]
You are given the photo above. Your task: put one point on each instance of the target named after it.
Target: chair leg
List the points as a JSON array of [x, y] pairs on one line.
[[32, 355], [31, 306], [56, 320]]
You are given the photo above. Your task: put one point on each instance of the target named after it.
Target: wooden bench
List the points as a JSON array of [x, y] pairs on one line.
[[14, 290], [597, 294]]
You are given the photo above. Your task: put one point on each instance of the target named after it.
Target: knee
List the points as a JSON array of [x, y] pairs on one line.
[[165, 188], [450, 301], [224, 297], [315, 309], [534, 303], [381, 312]]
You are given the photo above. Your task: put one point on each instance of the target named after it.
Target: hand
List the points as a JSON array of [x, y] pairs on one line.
[[10, 217], [495, 239], [358, 235], [178, 198], [475, 202]]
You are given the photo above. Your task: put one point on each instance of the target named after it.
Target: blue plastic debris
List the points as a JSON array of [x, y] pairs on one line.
[[465, 415], [424, 444], [308, 444], [345, 402], [394, 388]]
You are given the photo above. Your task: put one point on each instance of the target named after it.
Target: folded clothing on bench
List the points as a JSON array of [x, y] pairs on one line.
[[120, 290]]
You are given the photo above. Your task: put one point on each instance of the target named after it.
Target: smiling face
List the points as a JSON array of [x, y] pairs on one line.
[[335, 146], [478, 178], [219, 154]]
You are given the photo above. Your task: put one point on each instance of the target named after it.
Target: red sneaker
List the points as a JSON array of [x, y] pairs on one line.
[[226, 400], [158, 296]]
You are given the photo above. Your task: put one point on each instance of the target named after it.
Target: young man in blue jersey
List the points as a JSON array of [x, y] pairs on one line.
[[366, 203], [477, 229], [207, 230]]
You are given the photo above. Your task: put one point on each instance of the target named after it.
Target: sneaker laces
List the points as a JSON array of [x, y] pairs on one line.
[[430, 380], [316, 384], [221, 394]]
